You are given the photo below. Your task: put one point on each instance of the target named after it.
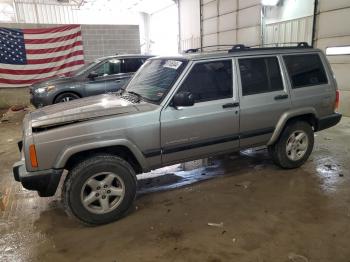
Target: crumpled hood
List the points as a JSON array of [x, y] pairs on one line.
[[80, 110]]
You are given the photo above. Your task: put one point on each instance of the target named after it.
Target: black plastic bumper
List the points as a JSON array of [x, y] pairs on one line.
[[44, 181], [328, 121]]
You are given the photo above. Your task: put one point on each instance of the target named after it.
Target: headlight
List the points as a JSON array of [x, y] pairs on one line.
[[41, 90]]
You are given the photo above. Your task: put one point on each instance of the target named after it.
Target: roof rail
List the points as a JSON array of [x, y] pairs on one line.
[[240, 47], [192, 50], [195, 50]]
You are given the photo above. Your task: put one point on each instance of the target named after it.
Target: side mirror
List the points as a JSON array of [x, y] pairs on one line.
[[183, 99], [92, 75]]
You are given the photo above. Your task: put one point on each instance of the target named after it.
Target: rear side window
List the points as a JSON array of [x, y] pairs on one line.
[[209, 81], [260, 75], [305, 70]]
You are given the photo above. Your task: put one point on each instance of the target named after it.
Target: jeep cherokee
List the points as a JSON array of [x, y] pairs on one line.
[[177, 109]]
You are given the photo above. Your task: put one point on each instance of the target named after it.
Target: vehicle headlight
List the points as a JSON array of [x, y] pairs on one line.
[[41, 90]]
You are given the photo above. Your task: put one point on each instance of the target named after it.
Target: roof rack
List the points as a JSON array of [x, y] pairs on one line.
[[241, 47], [195, 50], [192, 50]]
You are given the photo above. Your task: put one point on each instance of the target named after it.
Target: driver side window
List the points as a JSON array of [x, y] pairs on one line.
[[111, 67], [209, 81]]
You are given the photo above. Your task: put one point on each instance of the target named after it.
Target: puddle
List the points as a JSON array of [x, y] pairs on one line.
[[330, 171], [180, 175]]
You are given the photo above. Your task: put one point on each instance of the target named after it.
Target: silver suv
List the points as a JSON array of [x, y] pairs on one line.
[[177, 109]]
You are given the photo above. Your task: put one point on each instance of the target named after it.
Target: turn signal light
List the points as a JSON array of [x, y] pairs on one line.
[[336, 105], [32, 155]]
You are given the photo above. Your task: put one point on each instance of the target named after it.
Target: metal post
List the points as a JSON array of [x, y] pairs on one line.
[[314, 24]]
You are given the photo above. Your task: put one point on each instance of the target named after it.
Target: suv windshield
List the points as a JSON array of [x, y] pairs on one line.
[[155, 78]]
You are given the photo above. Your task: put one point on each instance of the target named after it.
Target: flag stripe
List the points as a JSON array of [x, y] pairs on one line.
[[54, 59], [54, 54], [26, 81], [52, 45], [36, 69], [49, 30], [38, 54], [52, 34], [54, 49], [52, 40], [67, 69]]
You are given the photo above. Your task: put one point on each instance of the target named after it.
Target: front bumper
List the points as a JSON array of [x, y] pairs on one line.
[[38, 100], [328, 121], [43, 181]]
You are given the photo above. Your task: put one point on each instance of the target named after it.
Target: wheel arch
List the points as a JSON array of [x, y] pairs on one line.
[[308, 115], [72, 155]]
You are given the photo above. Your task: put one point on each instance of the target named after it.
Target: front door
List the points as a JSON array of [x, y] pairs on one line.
[[264, 97], [211, 125]]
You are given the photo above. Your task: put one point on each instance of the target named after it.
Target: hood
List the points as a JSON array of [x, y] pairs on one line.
[[80, 110], [57, 80]]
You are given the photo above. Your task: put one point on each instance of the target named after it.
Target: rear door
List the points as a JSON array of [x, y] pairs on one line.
[[264, 97], [211, 125], [309, 82]]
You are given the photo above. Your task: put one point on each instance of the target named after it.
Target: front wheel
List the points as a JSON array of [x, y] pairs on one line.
[[294, 146], [65, 97], [99, 190]]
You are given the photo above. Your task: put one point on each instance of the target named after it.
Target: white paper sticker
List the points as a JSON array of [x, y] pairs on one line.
[[173, 64]]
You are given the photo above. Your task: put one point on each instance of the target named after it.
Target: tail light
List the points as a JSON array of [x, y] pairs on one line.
[[336, 105], [32, 155]]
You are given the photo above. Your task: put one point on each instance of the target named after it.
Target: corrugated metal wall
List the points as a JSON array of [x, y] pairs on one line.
[[230, 22], [332, 29], [292, 31], [189, 19], [47, 12]]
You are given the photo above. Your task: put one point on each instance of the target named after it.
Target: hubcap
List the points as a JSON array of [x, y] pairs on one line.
[[102, 192], [67, 99], [297, 145]]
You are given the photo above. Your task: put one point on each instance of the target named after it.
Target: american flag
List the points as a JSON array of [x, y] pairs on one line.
[[31, 55]]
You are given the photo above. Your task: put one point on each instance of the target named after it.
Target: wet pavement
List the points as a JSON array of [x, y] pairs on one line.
[[258, 211]]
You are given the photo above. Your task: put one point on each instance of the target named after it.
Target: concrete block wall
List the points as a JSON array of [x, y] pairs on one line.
[[104, 40], [332, 29]]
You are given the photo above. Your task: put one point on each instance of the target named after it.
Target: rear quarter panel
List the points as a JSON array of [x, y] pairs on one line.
[[319, 97]]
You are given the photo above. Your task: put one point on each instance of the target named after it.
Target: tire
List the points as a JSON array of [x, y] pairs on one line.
[[65, 97], [101, 176], [294, 145]]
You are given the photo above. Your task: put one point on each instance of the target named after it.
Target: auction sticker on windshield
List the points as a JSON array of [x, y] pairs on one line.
[[173, 64]]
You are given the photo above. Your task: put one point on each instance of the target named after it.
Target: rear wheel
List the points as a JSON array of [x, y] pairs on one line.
[[65, 97], [294, 146], [99, 190]]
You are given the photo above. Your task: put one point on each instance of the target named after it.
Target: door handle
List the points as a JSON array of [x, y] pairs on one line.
[[280, 97], [230, 105], [117, 81]]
